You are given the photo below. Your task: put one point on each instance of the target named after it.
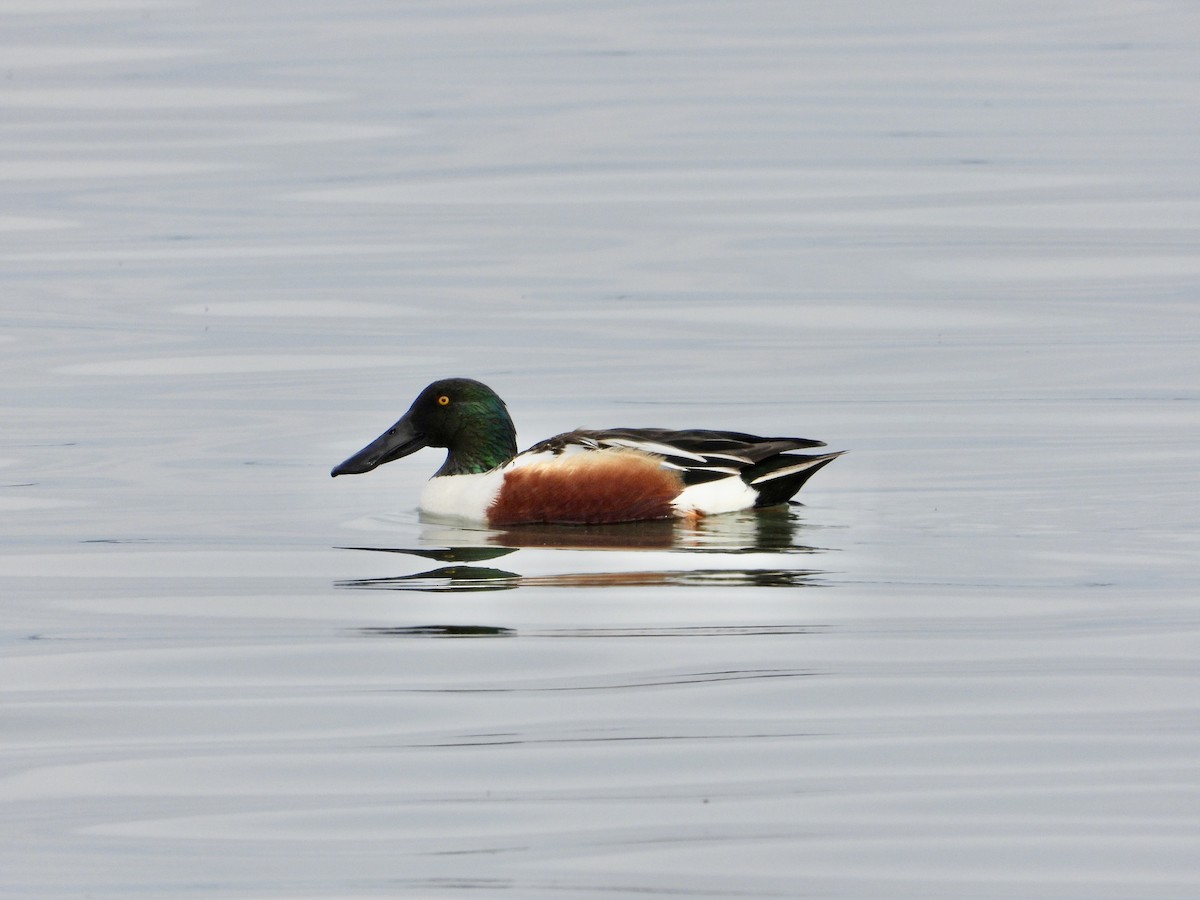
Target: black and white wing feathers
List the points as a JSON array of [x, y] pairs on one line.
[[700, 455]]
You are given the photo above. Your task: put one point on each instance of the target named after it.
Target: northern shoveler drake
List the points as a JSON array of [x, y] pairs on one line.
[[582, 477]]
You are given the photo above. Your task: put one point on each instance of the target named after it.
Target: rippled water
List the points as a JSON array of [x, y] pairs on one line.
[[959, 242]]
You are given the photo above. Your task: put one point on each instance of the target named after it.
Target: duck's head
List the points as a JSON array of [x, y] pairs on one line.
[[462, 415]]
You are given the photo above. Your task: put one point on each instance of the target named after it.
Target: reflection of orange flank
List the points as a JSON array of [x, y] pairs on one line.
[[583, 476]]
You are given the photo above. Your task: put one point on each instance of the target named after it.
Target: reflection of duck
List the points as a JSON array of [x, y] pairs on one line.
[[582, 477], [748, 548], [771, 530], [460, 579]]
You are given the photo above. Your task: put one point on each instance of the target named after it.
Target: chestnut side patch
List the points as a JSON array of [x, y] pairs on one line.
[[587, 489]]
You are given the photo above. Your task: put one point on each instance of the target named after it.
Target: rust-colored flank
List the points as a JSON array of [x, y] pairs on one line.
[[587, 489]]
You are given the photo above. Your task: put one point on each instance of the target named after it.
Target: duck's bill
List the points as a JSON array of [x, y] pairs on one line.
[[399, 440]]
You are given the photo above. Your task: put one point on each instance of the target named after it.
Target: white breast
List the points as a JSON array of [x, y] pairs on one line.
[[465, 497]]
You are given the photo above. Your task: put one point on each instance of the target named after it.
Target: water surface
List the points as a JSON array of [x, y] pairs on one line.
[[959, 242]]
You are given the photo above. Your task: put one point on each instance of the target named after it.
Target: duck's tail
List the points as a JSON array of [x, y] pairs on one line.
[[778, 478]]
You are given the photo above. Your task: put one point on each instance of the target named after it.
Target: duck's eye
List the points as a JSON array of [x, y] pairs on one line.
[[443, 400]]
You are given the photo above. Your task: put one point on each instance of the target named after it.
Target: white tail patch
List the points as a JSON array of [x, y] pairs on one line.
[[713, 497]]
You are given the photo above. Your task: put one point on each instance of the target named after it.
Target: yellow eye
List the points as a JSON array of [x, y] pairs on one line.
[[443, 400]]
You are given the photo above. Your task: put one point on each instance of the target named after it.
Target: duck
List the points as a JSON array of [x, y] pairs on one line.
[[582, 477]]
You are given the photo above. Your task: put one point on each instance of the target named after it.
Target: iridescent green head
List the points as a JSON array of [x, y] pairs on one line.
[[466, 417]]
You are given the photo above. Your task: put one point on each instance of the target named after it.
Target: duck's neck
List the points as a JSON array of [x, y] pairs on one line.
[[487, 447]]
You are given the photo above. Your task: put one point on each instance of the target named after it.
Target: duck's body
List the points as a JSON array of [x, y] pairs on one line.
[[582, 477]]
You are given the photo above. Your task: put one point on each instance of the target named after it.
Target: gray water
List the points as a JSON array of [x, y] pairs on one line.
[[959, 241]]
